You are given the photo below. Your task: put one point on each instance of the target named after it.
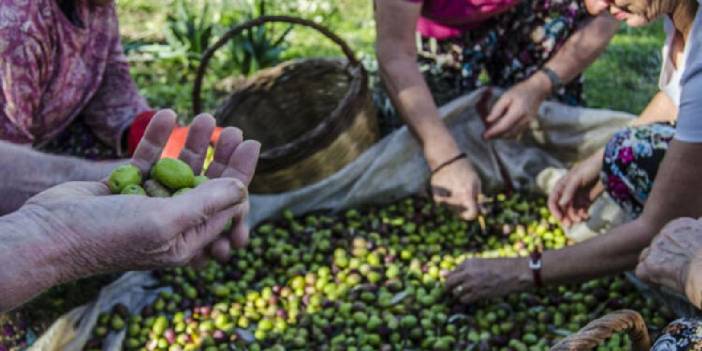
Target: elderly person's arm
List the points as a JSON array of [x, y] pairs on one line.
[[674, 259], [79, 229], [520, 104], [27, 172], [457, 182], [24, 67]]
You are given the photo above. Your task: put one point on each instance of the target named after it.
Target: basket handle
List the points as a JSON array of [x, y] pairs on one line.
[[207, 55], [599, 330]]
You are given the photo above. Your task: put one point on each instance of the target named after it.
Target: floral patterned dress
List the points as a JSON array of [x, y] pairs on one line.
[[64, 79], [631, 163]]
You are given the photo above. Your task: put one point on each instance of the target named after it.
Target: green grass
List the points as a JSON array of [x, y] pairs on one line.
[[624, 78]]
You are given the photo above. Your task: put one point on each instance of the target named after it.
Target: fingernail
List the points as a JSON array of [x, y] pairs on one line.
[[238, 131], [206, 116], [166, 111], [257, 145]]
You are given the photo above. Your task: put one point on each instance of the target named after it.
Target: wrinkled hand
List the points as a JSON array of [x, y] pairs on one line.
[[457, 186], [574, 193], [481, 278], [105, 232], [514, 110], [674, 259]]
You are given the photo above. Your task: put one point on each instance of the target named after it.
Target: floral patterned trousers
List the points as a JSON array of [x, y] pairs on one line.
[[631, 163], [681, 335]]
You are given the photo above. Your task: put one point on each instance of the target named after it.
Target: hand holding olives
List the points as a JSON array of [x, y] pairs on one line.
[[232, 158], [130, 231]]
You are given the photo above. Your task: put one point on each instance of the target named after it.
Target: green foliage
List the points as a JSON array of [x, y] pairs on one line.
[[625, 77], [164, 43], [257, 48], [165, 69], [189, 30]]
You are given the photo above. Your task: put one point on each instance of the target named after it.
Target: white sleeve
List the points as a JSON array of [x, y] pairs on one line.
[[689, 127]]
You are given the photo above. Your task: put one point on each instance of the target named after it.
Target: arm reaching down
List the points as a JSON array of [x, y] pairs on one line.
[[457, 184], [520, 104], [574, 193], [28, 172]]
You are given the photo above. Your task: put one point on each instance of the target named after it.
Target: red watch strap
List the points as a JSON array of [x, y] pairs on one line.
[[535, 265]]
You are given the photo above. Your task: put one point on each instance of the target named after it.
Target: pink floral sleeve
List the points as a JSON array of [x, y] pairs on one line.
[[117, 101], [22, 71], [56, 67]]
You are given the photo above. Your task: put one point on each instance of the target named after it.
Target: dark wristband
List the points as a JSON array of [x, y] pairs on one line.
[[556, 82], [448, 162], [535, 264]]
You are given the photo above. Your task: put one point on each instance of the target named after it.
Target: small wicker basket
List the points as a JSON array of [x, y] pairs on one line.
[[312, 116], [599, 330]]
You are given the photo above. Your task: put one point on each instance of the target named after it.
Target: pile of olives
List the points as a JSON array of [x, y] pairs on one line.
[[168, 177], [372, 279]]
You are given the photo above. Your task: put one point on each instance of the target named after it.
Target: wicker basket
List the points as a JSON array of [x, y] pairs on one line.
[[599, 330], [312, 116]]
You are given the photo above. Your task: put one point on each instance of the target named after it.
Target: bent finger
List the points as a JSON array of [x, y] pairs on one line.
[[229, 140], [208, 199], [221, 250], [498, 110], [239, 235], [504, 124], [554, 197], [155, 138], [569, 190], [199, 237], [518, 128], [242, 163], [470, 210], [455, 278], [198, 140]]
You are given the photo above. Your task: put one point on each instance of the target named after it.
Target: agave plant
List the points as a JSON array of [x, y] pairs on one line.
[[190, 30], [258, 47]]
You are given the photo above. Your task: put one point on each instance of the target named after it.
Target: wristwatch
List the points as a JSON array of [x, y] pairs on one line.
[[556, 83]]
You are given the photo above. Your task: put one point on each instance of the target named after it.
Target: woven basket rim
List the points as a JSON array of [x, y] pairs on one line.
[[598, 330]]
